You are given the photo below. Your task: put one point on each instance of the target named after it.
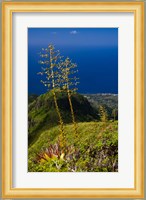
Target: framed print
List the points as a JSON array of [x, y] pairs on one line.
[[73, 100]]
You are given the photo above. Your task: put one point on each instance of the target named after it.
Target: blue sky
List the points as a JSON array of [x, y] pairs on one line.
[[73, 36], [95, 50]]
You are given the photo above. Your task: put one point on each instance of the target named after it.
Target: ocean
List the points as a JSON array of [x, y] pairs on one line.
[[98, 68]]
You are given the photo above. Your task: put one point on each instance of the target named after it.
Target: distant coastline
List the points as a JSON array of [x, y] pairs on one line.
[[99, 94]]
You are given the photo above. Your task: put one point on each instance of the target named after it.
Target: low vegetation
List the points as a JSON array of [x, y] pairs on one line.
[[95, 150]]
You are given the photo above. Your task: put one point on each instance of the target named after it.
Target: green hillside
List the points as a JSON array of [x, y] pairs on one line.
[[92, 148], [42, 114], [95, 149]]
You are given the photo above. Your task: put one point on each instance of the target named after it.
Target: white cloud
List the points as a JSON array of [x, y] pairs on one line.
[[73, 32]]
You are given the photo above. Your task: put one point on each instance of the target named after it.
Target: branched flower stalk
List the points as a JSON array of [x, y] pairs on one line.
[[69, 81], [50, 58]]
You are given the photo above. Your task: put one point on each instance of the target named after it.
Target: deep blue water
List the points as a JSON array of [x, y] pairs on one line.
[[98, 68]]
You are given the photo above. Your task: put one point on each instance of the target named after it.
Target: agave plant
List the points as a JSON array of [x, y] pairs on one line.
[[55, 154], [53, 151]]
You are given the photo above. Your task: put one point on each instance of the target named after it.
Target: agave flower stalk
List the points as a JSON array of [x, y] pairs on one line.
[[62, 134], [103, 114], [50, 58], [68, 70]]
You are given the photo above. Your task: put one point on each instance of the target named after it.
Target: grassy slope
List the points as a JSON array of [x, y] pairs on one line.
[[42, 114], [97, 145]]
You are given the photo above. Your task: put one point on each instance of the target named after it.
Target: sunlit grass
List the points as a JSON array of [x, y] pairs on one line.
[[93, 138]]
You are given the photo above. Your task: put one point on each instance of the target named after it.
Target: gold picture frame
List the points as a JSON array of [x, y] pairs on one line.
[[8, 8]]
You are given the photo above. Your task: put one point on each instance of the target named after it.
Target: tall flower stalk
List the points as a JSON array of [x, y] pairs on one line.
[[50, 58], [61, 75], [103, 114], [69, 81]]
